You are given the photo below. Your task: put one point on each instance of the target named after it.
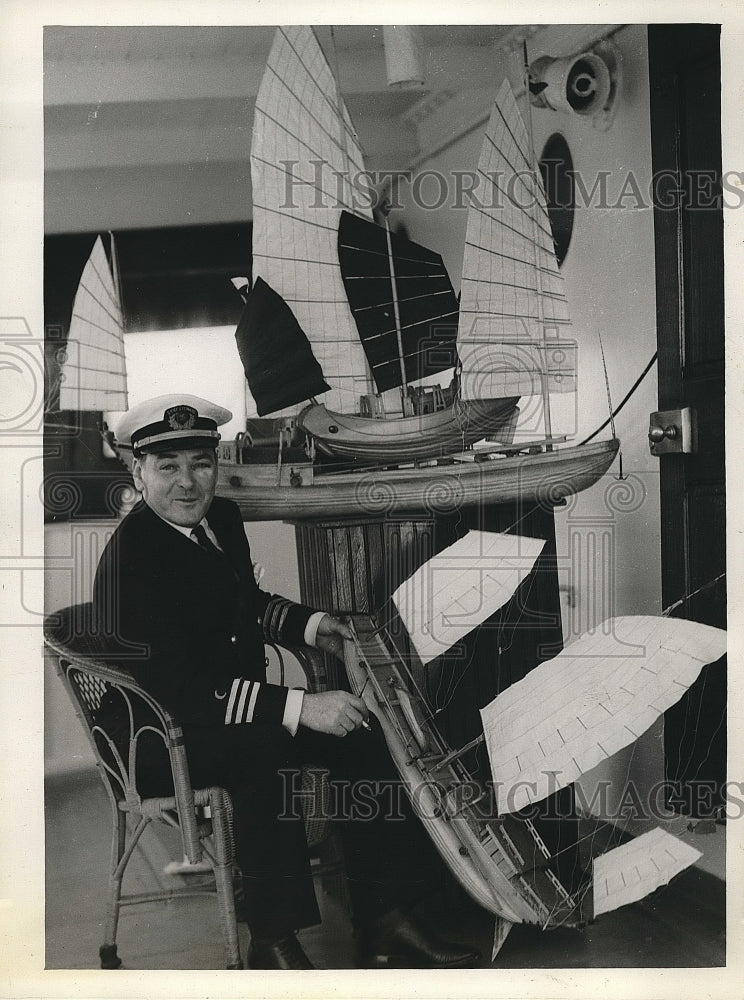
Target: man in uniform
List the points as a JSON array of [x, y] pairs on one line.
[[176, 582]]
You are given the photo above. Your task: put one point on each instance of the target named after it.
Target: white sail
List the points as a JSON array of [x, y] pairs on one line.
[[306, 166], [461, 587], [513, 305], [93, 372], [633, 870], [594, 698]]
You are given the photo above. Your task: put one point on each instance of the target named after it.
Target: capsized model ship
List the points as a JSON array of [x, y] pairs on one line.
[[597, 696]]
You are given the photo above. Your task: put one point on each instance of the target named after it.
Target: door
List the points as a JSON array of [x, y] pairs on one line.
[[685, 82]]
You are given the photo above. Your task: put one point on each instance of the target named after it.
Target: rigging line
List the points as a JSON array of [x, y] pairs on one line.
[[522, 607], [625, 399], [407, 298], [398, 256], [688, 597], [412, 326], [544, 385], [607, 382], [116, 273], [684, 765]]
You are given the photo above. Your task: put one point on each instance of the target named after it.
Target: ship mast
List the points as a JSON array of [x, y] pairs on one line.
[[538, 274], [407, 408]]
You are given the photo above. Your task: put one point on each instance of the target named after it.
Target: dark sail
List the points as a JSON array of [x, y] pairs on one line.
[[426, 302], [278, 360]]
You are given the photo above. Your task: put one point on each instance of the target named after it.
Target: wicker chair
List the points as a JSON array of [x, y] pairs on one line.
[[119, 717]]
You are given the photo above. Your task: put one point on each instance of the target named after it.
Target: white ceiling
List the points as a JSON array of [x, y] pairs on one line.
[[179, 100], [151, 125]]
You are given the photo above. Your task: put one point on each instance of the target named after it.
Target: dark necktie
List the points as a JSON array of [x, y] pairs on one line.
[[204, 541]]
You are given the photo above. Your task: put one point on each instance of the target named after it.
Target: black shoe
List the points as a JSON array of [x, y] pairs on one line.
[[397, 941], [282, 953]]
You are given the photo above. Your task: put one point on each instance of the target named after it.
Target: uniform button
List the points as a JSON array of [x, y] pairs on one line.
[[233, 639]]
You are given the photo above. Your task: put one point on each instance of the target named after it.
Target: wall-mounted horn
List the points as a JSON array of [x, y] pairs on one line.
[[585, 84]]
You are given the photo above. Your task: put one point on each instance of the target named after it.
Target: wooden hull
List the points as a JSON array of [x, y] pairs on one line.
[[390, 441], [418, 787], [445, 488], [497, 860]]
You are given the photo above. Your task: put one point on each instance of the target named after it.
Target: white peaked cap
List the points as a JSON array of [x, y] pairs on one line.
[[177, 420]]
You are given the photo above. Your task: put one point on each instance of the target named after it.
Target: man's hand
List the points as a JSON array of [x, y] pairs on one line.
[[331, 634], [334, 712]]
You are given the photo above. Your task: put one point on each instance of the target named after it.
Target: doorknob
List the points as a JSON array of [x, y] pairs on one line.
[[672, 431]]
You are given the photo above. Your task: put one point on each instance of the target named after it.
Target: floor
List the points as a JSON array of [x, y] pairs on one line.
[[681, 926]]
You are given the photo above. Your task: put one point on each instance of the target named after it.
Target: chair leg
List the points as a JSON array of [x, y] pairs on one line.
[[107, 952], [223, 874]]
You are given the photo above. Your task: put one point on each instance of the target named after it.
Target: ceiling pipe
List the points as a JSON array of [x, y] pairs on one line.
[[404, 56]]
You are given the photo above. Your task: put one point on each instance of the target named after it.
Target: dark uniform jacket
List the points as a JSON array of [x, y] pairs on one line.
[[190, 624]]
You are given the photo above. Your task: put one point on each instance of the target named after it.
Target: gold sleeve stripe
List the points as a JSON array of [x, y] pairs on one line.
[[231, 700], [252, 702], [241, 703]]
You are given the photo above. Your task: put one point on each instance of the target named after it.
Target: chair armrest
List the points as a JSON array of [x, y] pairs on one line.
[[317, 666], [90, 679]]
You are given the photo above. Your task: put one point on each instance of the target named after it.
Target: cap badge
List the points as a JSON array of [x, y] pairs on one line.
[[180, 418]]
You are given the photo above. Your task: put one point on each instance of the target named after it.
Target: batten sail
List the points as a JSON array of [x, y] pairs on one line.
[[597, 696], [426, 302], [306, 166], [93, 369], [462, 586], [277, 358], [633, 870], [513, 305]]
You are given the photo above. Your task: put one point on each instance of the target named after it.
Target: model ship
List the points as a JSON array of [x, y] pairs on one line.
[[342, 308], [542, 733]]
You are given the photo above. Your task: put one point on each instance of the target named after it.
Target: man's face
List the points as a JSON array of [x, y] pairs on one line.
[[178, 485]]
